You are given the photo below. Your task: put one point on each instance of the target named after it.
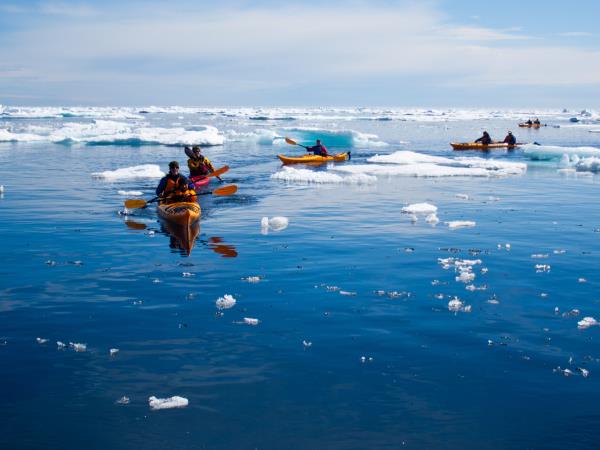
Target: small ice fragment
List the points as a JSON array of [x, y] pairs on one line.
[[587, 322], [187, 274], [455, 305], [572, 313], [453, 224], [484, 270], [493, 301], [113, 351], [150, 233], [1, 188], [51, 263], [570, 360], [123, 401], [556, 310], [559, 252], [41, 340], [439, 296], [251, 321], [167, 403], [278, 223], [156, 281], [541, 268], [544, 294], [419, 208], [254, 279], [78, 347], [432, 219], [462, 196], [226, 302], [307, 344], [584, 372], [138, 302], [582, 280], [507, 246], [539, 255], [363, 359], [60, 345], [490, 342], [499, 246], [348, 293], [465, 277], [332, 288], [414, 218]]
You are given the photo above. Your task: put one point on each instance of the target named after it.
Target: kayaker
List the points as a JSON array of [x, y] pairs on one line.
[[529, 122], [174, 186], [199, 165], [537, 121], [485, 139], [318, 149], [510, 139]]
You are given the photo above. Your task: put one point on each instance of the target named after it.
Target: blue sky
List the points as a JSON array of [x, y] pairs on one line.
[[267, 53]]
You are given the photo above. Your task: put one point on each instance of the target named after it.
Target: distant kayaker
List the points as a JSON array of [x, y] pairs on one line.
[[537, 121], [175, 186], [529, 122], [318, 149], [199, 165], [485, 139], [510, 139]]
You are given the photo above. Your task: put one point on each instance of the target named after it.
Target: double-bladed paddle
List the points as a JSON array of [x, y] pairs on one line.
[[139, 203]]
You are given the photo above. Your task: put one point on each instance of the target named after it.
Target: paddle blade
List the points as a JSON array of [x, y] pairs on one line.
[[290, 141], [135, 225], [226, 190], [218, 172], [133, 204]]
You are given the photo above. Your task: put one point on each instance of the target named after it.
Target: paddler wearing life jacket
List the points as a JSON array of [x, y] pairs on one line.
[[175, 187], [485, 139], [318, 150], [510, 139], [199, 165]]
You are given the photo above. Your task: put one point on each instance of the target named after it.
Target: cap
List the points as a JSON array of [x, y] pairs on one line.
[[173, 164], [196, 147]]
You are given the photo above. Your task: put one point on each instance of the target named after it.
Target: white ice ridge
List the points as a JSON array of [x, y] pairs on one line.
[[407, 163], [126, 173], [453, 224], [292, 174], [336, 138], [167, 403], [420, 208], [547, 152]]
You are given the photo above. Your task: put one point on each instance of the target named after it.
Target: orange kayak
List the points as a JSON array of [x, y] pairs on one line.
[[181, 213], [482, 147], [532, 125], [308, 158]]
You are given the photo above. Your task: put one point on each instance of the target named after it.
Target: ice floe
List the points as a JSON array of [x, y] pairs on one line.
[[113, 351], [277, 223], [549, 152], [292, 174], [128, 173], [123, 401], [226, 302], [453, 224], [457, 305], [587, 322], [41, 340], [167, 403], [251, 321], [420, 208]]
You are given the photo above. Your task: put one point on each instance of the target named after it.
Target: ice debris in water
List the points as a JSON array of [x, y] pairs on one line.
[[539, 255], [113, 351], [156, 281], [541, 268], [462, 196], [484, 270], [187, 274], [253, 279], [251, 321], [78, 347], [584, 372], [572, 313], [60, 345], [420, 208], [493, 300], [472, 287], [465, 276], [453, 224], [364, 359], [167, 403], [348, 293], [456, 305], [225, 302], [432, 219], [565, 372], [457, 263], [559, 251], [306, 343], [1, 188], [276, 223], [292, 174], [581, 280], [587, 322], [123, 401], [41, 340], [131, 193]]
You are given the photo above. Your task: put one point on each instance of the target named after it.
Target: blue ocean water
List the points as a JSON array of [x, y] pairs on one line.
[[356, 345]]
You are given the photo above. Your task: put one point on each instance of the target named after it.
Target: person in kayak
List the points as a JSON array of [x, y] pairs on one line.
[[510, 139], [485, 139], [318, 150], [199, 165], [175, 187], [537, 121], [529, 122]]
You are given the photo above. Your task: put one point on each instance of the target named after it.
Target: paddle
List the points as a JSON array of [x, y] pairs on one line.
[[216, 173], [292, 142], [225, 190]]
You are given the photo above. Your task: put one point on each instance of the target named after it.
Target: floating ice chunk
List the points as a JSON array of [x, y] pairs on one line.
[[306, 344], [540, 268], [291, 174], [587, 322], [472, 287], [456, 305], [413, 218], [123, 401], [278, 223], [187, 274], [131, 193], [462, 196], [466, 277], [167, 403], [1, 189], [572, 313], [127, 173], [559, 252], [60, 345], [226, 302], [41, 340], [156, 281], [584, 372], [113, 351], [453, 224], [78, 347], [420, 208], [251, 321], [539, 255], [507, 247], [581, 280], [332, 288], [254, 279], [548, 152], [432, 219], [484, 270], [348, 293]]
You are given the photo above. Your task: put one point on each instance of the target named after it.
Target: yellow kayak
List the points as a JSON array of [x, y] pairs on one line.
[[181, 213], [478, 146], [308, 158]]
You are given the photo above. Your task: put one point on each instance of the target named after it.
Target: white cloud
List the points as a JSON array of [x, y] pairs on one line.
[[576, 34]]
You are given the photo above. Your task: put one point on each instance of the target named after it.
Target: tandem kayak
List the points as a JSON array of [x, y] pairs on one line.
[[532, 125], [482, 147], [308, 158], [181, 213]]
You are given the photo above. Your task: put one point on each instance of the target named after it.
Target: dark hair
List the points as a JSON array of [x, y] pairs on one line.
[[173, 164], [196, 147]]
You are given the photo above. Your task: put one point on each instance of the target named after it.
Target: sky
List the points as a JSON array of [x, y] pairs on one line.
[[449, 53]]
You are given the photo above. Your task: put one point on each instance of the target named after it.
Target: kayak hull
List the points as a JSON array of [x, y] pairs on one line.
[[200, 182], [481, 147], [180, 213], [533, 125], [312, 159], [182, 237]]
